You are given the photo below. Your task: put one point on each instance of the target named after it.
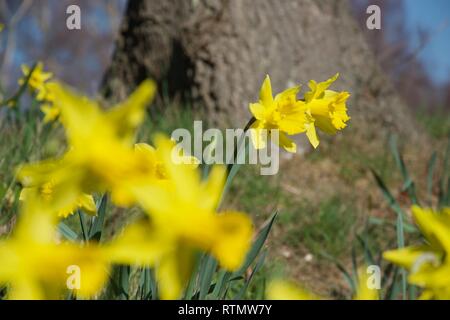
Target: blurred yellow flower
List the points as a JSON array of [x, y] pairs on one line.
[[327, 109], [50, 111], [428, 264], [85, 201], [34, 266], [284, 290], [281, 113], [364, 291], [38, 82], [183, 214], [101, 156]]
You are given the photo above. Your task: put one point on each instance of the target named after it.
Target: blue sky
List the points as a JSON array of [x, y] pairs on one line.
[[432, 15]]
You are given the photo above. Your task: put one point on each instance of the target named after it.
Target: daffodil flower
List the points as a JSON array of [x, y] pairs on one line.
[[35, 266], [100, 157], [281, 113], [50, 111], [38, 81], [183, 218], [85, 202], [326, 109], [322, 108], [428, 264]]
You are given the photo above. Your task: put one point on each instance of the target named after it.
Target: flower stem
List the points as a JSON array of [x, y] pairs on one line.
[[238, 145]]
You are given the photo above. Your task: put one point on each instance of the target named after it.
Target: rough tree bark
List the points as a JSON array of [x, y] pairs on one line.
[[219, 51]]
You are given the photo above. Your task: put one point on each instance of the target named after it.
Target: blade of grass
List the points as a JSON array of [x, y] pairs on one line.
[[408, 182], [350, 280], [206, 276], [387, 194], [430, 170], [257, 267], [67, 232], [401, 244], [95, 232], [82, 225], [257, 245]]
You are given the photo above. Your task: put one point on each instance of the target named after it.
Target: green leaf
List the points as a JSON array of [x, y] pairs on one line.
[[430, 170], [256, 247], [387, 194], [95, 233], [206, 276], [350, 280], [257, 267], [67, 232], [368, 256], [401, 244], [192, 284], [408, 182], [222, 278], [82, 225]]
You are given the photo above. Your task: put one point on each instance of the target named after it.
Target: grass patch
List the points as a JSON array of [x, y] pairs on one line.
[[437, 124], [325, 229]]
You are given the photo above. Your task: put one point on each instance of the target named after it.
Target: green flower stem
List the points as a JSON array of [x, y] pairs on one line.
[[238, 145]]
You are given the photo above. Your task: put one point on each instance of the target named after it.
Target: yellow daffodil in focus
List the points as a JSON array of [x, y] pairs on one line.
[[34, 266], [326, 109], [38, 81], [428, 264], [85, 202], [101, 156], [183, 214], [284, 290], [281, 113]]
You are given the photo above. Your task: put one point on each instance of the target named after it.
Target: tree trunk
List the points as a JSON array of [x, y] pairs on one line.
[[218, 52]]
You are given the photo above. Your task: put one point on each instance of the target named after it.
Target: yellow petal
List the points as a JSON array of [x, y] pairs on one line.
[[283, 290], [87, 204], [234, 231], [51, 112], [405, 257], [138, 244], [128, 115], [173, 272], [317, 89], [265, 95], [311, 134], [258, 135], [288, 96], [434, 228], [257, 109], [286, 143], [364, 292], [213, 188]]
